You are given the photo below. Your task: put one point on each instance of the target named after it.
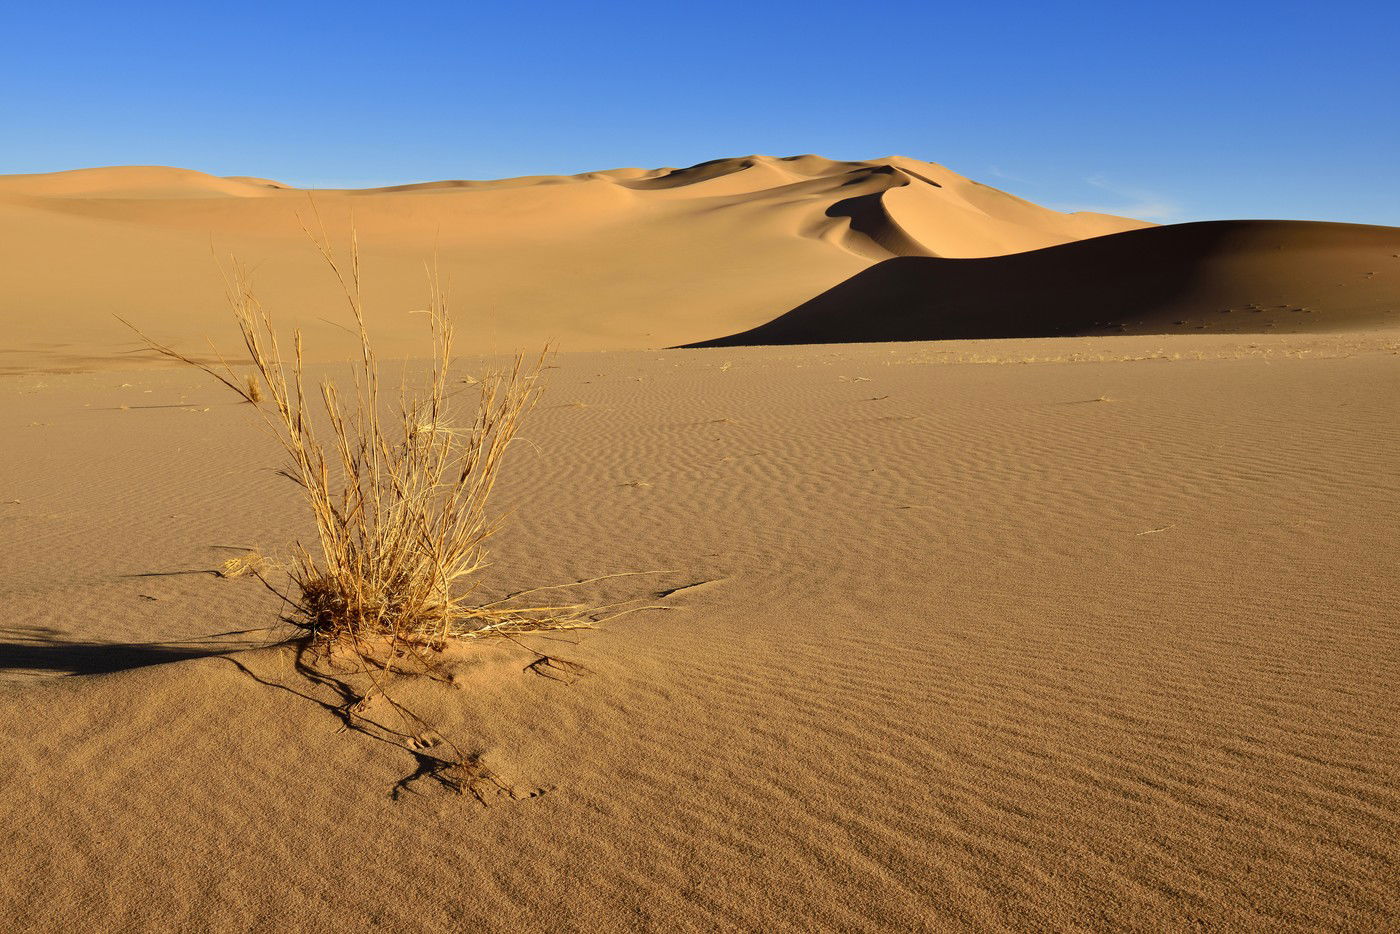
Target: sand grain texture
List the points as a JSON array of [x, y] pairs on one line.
[[1082, 634]]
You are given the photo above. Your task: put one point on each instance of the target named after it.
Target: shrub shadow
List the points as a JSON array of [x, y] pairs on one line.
[[91, 658], [41, 649]]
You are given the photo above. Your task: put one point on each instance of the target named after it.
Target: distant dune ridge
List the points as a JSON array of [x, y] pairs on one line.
[[626, 258], [632, 258]]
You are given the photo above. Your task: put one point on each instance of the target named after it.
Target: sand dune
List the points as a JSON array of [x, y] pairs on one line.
[[1222, 277], [617, 259], [133, 183]]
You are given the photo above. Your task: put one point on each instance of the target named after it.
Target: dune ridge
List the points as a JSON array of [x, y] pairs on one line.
[[614, 259], [944, 214]]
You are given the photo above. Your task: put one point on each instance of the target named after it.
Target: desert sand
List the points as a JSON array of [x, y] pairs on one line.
[[1089, 632], [623, 259]]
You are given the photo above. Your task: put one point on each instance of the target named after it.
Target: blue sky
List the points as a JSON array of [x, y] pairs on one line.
[[1180, 111]]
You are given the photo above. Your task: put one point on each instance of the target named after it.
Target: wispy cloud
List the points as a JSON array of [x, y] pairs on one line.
[[996, 172], [1128, 201]]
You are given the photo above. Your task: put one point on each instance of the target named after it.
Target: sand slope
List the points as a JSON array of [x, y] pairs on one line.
[[602, 260], [1224, 277], [1099, 645]]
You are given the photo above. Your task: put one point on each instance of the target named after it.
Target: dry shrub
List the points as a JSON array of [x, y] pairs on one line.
[[399, 489]]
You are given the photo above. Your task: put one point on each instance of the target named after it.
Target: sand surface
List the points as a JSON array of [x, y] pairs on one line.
[[1070, 634]]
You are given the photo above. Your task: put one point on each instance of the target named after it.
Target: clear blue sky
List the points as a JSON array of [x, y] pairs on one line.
[[1178, 111]]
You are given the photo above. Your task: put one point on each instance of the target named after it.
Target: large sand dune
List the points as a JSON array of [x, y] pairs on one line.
[[627, 258], [1223, 277]]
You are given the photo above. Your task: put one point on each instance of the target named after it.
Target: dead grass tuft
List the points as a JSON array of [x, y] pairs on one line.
[[251, 563], [399, 488]]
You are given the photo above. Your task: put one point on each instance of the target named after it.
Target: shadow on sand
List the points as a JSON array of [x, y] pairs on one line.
[[38, 649]]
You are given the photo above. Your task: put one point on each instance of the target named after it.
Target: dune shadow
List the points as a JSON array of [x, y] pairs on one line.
[[1216, 276]]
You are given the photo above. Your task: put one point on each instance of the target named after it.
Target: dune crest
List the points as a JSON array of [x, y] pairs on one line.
[[134, 182], [614, 259]]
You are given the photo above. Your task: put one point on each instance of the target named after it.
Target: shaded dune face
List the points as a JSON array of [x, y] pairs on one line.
[[1219, 276], [619, 259]]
